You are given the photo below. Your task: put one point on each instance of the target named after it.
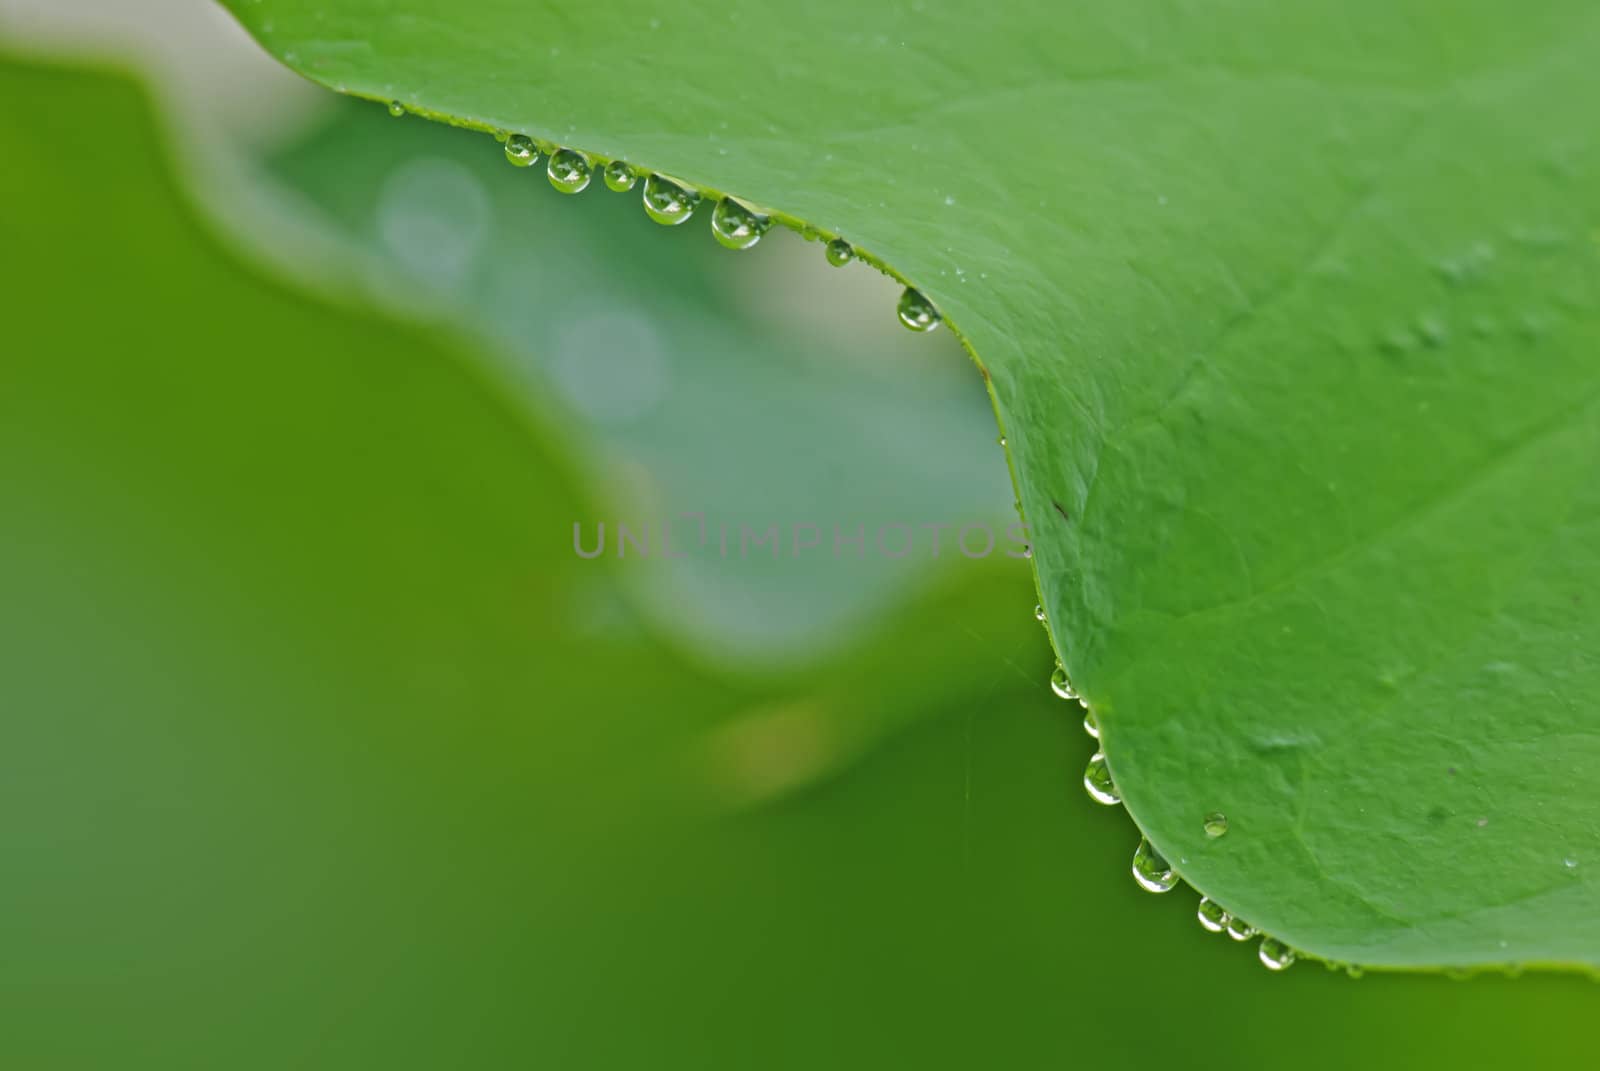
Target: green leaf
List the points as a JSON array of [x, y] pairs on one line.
[[319, 748], [1290, 316]]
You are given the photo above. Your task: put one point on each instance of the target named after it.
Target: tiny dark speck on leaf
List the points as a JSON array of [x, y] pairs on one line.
[[1061, 510], [1451, 771]]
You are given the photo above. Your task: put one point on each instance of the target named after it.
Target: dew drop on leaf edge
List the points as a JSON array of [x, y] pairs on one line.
[[397, 109], [1240, 930], [916, 311], [1215, 824], [1151, 870], [668, 203], [1274, 954], [568, 170], [1038, 613], [1097, 781], [1060, 685], [620, 177], [839, 252], [521, 151], [736, 226], [1090, 726], [1211, 915]]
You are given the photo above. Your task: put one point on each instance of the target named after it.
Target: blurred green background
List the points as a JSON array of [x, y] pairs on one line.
[[319, 746]]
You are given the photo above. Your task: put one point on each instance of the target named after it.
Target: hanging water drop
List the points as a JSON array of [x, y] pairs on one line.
[[396, 109], [521, 151], [1151, 871], [668, 203], [1090, 726], [1215, 824], [1038, 613], [1212, 916], [1240, 930], [736, 226], [1027, 551], [839, 253], [1275, 955], [1060, 685], [568, 171], [917, 312], [620, 177], [1097, 781]]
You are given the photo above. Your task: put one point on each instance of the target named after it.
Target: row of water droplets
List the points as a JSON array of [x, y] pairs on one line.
[[738, 226], [1151, 871], [670, 202]]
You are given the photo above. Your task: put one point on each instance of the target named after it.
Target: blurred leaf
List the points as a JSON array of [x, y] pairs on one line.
[[320, 742], [683, 386], [1290, 317]]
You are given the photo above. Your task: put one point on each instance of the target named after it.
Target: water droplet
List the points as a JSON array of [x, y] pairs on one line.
[[1212, 916], [1215, 824], [1038, 613], [1240, 930], [1275, 955], [1353, 971], [1090, 726], [520, 150], [1151, 871], [736, 226], [568, 171], [1531, 327], [1060, 685], [668, 203], [1570, 863], [1002, 440], [1433, 331], [1097, 781], [1397, 343], [620, 177], [396, 109], [917, 312], [839, 253]]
